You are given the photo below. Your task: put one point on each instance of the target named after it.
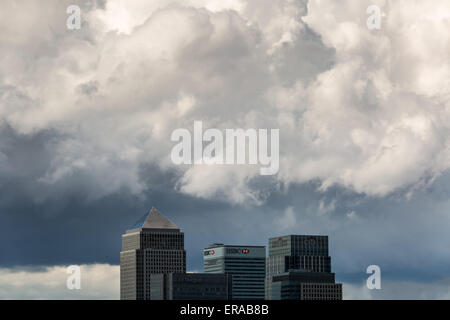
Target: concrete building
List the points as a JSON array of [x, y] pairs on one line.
[[299, 268], [246, 264], [190, 286], [153, 245]]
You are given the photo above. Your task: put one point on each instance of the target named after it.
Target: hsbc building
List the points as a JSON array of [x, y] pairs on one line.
[[246, 264]]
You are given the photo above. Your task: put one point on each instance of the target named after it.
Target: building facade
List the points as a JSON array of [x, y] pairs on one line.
[[190, 286], [246, 265], [299, 268], [154, 245], [298, 285]]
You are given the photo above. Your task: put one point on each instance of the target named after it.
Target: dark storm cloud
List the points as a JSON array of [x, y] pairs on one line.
[[59, 223], [67, 226]]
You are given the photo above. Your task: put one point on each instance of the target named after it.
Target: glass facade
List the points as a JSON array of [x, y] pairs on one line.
[[298, 260], [151, 249], [246, 264]]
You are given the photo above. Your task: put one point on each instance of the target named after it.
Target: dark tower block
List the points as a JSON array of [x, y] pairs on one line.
[[299, 268], [154, 245]]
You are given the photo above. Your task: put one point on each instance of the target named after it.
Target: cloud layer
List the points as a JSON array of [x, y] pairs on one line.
[[98, 281], [367, 110]]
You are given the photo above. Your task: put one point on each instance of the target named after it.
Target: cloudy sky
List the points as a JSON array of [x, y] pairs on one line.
[[86, 118]]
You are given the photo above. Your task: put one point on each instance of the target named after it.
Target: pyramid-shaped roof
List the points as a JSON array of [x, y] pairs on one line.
[[154, 220]]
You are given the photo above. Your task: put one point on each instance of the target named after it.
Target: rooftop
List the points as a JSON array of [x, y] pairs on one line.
[[154, 220], [220, 245]]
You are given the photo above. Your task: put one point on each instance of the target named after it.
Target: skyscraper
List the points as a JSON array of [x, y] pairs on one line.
[[246, 264], [299, 268], [154, 245]]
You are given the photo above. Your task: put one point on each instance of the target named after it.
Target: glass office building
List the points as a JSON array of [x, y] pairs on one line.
[[299, 268], [246, 264], [154, 245]]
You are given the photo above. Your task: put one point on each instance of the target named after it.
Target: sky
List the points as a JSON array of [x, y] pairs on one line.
[[86, 118]]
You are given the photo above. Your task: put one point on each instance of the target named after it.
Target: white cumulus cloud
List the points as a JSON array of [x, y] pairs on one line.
[[98, 281], [367, 110]]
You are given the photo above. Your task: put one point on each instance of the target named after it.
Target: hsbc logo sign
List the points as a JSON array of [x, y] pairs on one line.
[[209, 253], [228, 251], [238, 251]]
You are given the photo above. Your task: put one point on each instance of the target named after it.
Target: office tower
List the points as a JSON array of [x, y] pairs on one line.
[[299, 268], [190, 286], [153, 245], [246, 264]]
